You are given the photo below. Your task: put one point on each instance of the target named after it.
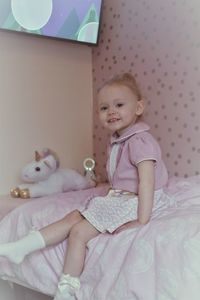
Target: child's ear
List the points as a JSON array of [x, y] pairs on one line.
[[140, 107]]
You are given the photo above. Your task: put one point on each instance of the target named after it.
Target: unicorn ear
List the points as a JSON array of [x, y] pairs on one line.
[[50, 162], [37, 156], [47, 164]]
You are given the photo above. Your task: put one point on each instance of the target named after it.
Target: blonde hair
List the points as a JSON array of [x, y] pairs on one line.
[[125, 79]]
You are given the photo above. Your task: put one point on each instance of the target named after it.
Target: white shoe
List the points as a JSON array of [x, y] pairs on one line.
[[67, 287]]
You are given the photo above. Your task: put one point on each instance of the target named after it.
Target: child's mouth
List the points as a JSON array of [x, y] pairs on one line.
[[113, 120]]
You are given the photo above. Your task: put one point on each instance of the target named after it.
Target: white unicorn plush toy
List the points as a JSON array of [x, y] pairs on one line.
[[44, 177]]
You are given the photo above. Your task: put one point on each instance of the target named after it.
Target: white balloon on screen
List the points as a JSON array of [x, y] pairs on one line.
[[88, 33], [32, 14]]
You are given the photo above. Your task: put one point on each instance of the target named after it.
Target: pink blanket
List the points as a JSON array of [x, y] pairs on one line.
[[160, 260]]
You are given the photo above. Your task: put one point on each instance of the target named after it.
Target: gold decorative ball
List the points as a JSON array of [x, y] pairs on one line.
[[24, 194], [15, 193]]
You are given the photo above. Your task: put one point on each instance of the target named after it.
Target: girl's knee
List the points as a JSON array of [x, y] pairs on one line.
[[73, 217], [76, 232], [82, 232]]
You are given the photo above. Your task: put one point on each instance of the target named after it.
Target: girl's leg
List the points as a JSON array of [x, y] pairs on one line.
[[69, 282], [79, 236], [35, 240], [59, 231]]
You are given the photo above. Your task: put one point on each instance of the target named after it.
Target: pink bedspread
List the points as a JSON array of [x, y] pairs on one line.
[[158, 261]]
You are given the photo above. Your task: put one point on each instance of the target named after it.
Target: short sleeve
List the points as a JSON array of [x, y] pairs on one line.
[[143, 147]]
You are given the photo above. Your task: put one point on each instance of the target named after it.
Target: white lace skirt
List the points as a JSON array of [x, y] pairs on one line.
[[117, 208]]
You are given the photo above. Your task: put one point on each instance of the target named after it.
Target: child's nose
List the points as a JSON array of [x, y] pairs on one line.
[[111, 111]]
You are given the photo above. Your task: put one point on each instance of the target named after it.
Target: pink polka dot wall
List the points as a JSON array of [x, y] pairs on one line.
[[158, 42]]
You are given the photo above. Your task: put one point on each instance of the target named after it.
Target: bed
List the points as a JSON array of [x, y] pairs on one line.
[[158, 261]]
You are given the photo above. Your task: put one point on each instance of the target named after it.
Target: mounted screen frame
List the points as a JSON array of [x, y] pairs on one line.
[[72, 20]]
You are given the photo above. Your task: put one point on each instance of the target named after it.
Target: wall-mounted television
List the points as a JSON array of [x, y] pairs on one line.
[[75, 20]]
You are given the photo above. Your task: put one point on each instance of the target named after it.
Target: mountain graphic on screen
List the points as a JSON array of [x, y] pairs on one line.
[[86, 31]]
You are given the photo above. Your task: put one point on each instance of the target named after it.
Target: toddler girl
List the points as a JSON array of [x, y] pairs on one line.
[[136, 174]]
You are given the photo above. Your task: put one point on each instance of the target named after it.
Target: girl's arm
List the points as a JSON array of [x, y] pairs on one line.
[[145, 190], [146, 175]]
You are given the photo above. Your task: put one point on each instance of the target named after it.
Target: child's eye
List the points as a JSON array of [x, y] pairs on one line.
[[103, 108], [120, 104]]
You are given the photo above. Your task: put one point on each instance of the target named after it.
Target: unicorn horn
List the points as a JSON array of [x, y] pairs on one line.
[[37, 156]]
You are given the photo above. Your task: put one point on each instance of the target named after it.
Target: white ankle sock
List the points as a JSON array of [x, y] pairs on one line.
[[67, 287], [16, 251]]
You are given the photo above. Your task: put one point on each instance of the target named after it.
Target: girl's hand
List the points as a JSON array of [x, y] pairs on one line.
[[128, 225]]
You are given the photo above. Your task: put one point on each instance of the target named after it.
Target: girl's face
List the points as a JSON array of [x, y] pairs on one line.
[[118, 108]]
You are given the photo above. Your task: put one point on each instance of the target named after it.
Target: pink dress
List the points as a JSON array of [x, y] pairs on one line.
[[119, 206]]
